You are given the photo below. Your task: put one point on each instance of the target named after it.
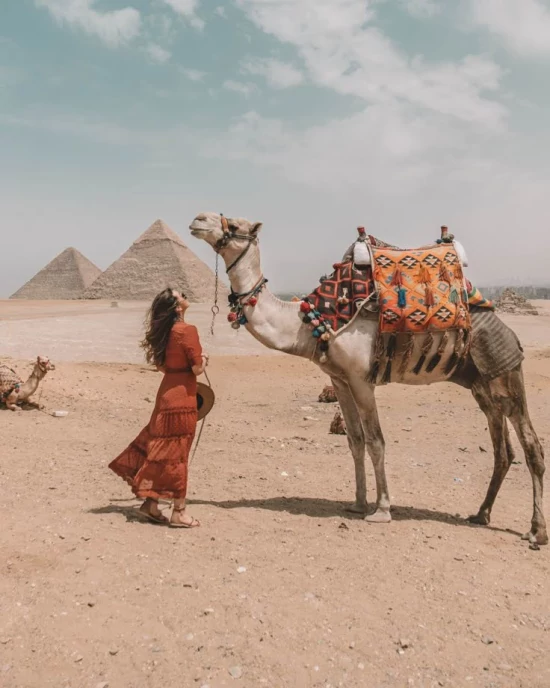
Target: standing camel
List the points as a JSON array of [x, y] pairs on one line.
[[278, 325]]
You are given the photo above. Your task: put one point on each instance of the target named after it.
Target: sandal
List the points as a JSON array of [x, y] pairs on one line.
[[194, 522], [153, 518]]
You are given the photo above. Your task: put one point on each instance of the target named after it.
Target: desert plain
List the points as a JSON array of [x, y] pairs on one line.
[[280, 586]]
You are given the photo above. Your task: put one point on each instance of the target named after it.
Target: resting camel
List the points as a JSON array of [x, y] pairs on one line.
[[278, 325]]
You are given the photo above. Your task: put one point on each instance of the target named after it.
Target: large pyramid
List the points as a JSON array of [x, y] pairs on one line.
[[158, 259], [65, 277]]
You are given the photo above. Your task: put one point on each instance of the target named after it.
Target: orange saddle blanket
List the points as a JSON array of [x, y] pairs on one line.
[[420, 290]]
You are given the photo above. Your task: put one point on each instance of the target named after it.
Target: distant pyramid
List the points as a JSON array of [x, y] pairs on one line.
[[156, 260], [66, 277]]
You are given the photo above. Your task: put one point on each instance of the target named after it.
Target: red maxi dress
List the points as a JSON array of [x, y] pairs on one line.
[[155, 463]]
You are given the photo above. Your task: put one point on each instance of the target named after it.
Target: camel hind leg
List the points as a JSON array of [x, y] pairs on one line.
[[509, 392], [502, 447], [356, 442]]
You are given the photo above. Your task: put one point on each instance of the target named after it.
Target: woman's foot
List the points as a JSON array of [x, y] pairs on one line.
[[180, 519], [150, 509]]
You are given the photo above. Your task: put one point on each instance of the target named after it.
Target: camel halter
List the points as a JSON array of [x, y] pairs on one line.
[[228, 235]]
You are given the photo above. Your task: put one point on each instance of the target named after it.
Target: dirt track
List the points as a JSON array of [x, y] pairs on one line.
[[90, 596]]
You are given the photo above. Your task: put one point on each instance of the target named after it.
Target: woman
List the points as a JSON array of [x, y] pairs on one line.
[[155, 464]]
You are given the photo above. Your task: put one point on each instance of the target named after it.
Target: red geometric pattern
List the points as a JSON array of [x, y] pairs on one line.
[[338, 295]]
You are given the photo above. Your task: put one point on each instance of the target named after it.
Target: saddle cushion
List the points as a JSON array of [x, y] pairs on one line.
[[420, 290]]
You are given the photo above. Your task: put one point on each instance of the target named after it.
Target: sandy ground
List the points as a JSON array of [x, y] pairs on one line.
[[280, 586]]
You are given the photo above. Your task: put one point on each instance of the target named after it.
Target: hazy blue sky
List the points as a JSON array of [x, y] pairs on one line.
[[313, 116]]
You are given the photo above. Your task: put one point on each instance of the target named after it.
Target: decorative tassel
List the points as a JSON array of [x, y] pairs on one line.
[[373, 375], [378, 354], [392, 344], [453, 360], [323, 358], [407, 355], [387, 373], [444, 274], [429, 299], [401, 297], [424, 275], [436, 358], [425, 351], [397, 279]]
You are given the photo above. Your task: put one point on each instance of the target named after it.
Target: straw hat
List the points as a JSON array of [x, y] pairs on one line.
[[205, 399]]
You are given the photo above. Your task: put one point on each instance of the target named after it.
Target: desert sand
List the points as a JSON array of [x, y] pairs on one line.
[[280, 586]]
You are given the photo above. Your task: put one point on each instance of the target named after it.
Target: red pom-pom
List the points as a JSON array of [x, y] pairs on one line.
[[232, 317], [305, 307], [252, 301], [361, 231]]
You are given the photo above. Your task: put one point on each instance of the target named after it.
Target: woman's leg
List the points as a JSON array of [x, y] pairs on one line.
[[180, 518], [150, 507]]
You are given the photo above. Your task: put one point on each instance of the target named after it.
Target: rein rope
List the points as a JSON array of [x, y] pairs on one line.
[[202, 425]]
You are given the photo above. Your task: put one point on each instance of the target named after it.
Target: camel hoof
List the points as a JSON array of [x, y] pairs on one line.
[[538, 538], [357, 508], [379, 516], [481, 519]]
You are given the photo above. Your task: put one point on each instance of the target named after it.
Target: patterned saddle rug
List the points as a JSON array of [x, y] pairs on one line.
[[337, 297]]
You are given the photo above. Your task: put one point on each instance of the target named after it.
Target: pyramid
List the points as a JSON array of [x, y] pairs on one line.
[[156, 260], [65, 277]]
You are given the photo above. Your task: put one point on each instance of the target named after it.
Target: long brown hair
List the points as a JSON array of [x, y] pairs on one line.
[[159, 322]]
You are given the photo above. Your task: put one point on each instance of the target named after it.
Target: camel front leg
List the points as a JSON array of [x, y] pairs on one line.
[[11, 401], [356, 442], [363, 394]]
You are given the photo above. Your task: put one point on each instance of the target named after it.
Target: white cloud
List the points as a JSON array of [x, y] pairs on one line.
[[113, 27], [422, 8], [344, 51], [187, 9], [245, 89], [278, 74], [192, 74], [523, 25], [220, 11], [157, 53]]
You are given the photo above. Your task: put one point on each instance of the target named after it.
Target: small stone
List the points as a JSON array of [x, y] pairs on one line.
[[504, 667], [404, 643], [309, 418], [91, 603], [351, 645], [113, 651], [208, 611], [361, 666], [236, 672], [5, 641], [78, 658], [284, 474], [103, 684], [241, 569], [487, 640]]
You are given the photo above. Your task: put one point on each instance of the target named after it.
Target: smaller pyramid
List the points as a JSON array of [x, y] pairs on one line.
[[156, 260], [66, 277]]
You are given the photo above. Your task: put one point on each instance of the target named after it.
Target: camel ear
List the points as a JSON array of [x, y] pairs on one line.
[[256, 228]]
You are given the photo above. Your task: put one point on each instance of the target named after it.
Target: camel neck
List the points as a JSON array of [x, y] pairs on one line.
[[274, 323]]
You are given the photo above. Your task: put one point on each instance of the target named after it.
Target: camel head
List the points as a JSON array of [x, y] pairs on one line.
[[228, 236], [44, 364]]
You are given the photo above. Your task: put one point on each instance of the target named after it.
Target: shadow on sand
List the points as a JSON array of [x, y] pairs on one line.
[[304, 506]]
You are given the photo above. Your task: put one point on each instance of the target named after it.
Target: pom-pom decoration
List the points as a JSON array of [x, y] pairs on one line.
[[305, 307], [232, 317]]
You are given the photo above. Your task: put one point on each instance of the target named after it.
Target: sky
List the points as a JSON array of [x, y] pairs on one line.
[[312, 116]]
